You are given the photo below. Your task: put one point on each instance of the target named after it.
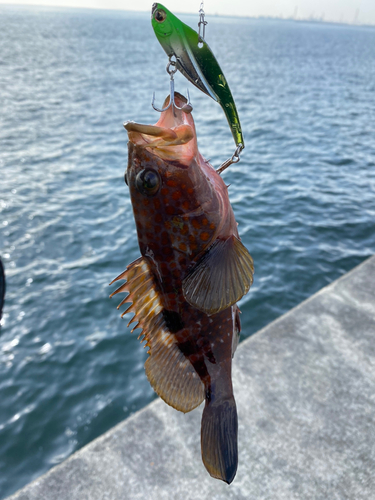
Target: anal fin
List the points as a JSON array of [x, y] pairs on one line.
[[169, 372]]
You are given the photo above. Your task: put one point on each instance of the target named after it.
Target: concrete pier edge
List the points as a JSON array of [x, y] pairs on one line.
[[305, 392]]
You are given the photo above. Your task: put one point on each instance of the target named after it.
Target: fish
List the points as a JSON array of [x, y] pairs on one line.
[[185, 286]]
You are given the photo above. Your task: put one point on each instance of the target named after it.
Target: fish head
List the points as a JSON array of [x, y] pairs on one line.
[[180, 203], [173, 137]]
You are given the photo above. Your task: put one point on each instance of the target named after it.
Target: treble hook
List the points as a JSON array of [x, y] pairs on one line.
[[187, 108]]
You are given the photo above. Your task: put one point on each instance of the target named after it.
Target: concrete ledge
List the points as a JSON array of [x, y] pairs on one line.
[[305, 391]]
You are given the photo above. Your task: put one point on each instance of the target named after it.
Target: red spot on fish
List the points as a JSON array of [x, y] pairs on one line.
[[158, 218], [204, 236], [171, 183], [196, 224], [167, 252], [164, 268], [176, 275], [176, 195], [183, 247], [205, 222], [164, 191], [170, 210], [164, 238], [193, 358], [157, 203], [185, 205], [182, 261]]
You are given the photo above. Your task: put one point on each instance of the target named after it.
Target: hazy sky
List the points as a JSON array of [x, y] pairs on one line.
[[362, 11]]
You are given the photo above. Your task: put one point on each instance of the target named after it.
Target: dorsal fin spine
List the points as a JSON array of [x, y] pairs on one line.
[[122, 288]]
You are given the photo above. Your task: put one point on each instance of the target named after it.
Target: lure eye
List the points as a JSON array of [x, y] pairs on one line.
[[148, 182], [160, 15]]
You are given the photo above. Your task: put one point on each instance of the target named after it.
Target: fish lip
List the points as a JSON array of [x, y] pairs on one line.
[[151, 130]]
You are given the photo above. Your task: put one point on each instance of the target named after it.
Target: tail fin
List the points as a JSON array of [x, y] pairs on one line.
[[219, 439]]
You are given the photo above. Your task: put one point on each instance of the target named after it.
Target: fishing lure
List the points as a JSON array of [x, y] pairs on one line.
[[195, 60]]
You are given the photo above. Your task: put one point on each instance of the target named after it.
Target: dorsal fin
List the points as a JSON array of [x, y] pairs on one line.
[[169, 372], [221, 276]]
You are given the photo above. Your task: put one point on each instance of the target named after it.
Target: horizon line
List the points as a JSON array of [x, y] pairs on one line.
[[310, 19]]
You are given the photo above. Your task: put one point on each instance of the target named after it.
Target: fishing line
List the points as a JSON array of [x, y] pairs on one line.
[[201, 25]]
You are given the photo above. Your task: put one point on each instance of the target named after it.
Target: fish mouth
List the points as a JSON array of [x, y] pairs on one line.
[[167, 134], [173, 137]]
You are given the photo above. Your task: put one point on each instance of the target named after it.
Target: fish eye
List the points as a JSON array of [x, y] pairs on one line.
[[160, 15], [148, 182]]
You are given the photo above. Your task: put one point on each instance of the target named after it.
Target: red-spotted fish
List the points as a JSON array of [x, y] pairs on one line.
[[192, 270]]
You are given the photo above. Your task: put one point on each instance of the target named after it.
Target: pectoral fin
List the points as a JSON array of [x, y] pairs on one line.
[[221, 276]]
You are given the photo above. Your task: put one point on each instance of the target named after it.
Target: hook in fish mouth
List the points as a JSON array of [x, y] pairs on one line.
[[154, 7]]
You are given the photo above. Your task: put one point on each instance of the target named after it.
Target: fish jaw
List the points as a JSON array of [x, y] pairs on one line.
[[173, 137]]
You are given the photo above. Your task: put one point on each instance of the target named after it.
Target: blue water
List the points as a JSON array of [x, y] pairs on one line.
[[303, 195]]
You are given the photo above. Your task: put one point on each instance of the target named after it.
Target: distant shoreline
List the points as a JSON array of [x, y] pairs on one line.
[[210, 16]]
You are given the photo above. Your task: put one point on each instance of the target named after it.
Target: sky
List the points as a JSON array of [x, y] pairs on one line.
[[347, 11]]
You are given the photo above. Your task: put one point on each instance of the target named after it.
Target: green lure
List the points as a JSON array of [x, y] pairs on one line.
[[196, 62]]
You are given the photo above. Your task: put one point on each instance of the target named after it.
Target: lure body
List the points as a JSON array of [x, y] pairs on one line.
[[195, 60]]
